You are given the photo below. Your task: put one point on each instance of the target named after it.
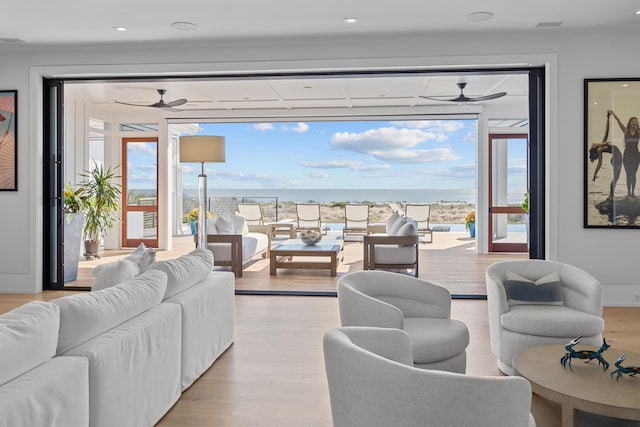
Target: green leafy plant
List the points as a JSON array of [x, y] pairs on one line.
[[525, 204], [101, 194], [74, 199]]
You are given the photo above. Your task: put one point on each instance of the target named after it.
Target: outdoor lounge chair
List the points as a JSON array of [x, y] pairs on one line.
[[251, 212], [308, 217], [421, 214], [356, 220]]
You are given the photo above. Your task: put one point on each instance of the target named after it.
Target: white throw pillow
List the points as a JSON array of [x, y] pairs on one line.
[[148, 258], [137, 254], [211, 226], [409, 228], [393, 231], [391, 220], [224, 224], [111, 274], [239, 224]]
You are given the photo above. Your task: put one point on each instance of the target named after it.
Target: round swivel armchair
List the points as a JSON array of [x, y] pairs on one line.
[[421, 309], [539, 302]]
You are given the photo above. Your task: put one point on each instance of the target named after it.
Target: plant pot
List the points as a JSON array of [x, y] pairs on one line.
[[91, 249], [72, 238], [192, 224], [472, 230]]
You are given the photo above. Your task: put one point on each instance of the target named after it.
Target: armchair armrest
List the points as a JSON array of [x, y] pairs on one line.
[[235, 240], [369, 245]]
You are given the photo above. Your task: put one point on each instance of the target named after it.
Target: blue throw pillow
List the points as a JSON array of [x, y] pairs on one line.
[[547, 290]]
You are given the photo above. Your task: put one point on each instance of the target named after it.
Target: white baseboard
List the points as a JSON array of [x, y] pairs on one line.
[[621, 295]]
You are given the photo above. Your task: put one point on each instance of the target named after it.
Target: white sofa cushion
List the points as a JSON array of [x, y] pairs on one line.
[[409, 228], [252, 243], [185, 271], [54, 394], [394, 254], [551, 321], [84, 316], [434, 340], [28, 337]]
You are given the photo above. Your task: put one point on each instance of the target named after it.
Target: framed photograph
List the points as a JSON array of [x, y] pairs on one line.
[[8, 140], [612, 156]]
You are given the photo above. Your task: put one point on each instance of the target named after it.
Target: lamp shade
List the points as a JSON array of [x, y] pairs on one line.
[[202, 149]]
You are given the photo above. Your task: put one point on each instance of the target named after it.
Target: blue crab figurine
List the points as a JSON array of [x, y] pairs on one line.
[[589, 355], [630, 370]]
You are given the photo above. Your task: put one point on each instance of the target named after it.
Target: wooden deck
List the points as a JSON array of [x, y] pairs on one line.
[[451, 261]]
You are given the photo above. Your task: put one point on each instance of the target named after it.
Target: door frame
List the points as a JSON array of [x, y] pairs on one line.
[[126, 242], [503, 247]]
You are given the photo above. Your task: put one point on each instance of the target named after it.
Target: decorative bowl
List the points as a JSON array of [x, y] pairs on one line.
[[310, 237]]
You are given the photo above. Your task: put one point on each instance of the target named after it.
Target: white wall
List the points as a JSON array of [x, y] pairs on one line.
[[570, 57]]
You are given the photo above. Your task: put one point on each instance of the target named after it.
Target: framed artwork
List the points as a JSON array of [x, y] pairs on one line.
[[611, 137], [8, 140]]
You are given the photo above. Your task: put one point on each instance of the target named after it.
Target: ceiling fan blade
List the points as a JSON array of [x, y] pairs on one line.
[[488, 97], [433, 98], [176, 103], [133, 105], [165, 108]]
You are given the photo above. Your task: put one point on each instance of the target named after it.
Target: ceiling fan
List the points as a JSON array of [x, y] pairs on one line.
[[463, 98], [167, 106]]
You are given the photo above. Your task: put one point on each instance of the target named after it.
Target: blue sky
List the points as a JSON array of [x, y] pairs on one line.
[[434, 154]]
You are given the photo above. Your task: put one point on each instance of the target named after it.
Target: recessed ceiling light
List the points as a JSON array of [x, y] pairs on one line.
[[350, 20], [479, 16], [638, 12], [120, 28], [184, 26]]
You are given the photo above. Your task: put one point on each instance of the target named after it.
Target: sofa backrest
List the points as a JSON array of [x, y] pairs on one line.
[[87, 315], [186, 271], [29, 335]]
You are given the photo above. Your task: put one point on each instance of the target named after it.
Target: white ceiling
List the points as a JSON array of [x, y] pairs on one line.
[[342, 92], [82, 23], [77, 22]]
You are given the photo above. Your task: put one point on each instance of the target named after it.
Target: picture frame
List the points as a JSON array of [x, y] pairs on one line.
[[611, 150], [8, 140]]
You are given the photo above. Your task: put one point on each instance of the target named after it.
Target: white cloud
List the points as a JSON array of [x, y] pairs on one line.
[[388, 138], [446, 126], [417, 156], [345, 164], [262, 127], [317, 174], [144, 147], [300, 128]]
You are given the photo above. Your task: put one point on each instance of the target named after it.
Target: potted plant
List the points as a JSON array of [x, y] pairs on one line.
[[470, 223], [192, 219], [73, 221], [101, 194]]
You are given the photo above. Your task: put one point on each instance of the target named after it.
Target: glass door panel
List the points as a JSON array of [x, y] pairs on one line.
[[507, 186], [140, 192]]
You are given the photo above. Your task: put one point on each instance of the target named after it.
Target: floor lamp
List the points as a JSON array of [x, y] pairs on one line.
[[202, 149]]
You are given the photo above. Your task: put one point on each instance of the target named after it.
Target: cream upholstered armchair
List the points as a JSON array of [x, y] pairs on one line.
[[539, 302], [421, 309], [372, 383], [397, 249]]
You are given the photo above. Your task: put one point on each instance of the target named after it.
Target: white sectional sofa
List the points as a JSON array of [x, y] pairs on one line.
[[118, 356], [37, 388]]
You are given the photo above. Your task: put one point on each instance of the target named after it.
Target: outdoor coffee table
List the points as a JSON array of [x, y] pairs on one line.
[[281, 256], [588, 388]]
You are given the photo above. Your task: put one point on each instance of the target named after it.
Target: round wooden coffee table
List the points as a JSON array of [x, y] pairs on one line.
[[588, 388]]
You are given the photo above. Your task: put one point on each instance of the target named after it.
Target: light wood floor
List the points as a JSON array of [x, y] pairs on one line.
[[450, 261], [273, 375]]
